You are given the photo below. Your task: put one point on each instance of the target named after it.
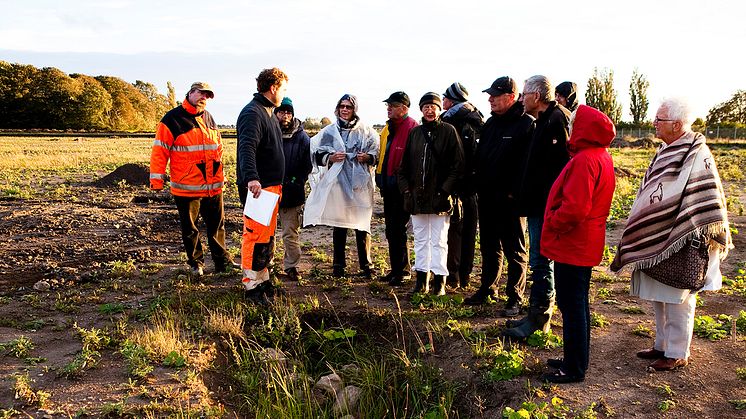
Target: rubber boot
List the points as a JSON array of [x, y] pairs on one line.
[[439, 285], [480, 297], [453, 281], [538, 318], [422, 283], [515, 323]]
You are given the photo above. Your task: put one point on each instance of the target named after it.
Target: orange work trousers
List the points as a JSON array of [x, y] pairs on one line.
[[257, 244]]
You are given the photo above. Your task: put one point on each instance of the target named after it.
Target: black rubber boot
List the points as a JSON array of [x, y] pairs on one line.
[[439, 285], [463, 281], [539, 318], [422, 283]]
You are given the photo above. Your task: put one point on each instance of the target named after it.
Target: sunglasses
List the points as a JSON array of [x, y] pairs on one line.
[[350, 107]]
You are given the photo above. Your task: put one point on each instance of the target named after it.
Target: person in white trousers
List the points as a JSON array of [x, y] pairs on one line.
[[432, 165]]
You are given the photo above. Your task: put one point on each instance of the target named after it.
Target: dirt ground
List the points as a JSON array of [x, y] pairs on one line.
[[69, 242]]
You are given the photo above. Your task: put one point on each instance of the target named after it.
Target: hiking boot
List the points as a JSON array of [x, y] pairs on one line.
[[422, 283], [439, 285], [293, 274], [368, 273]]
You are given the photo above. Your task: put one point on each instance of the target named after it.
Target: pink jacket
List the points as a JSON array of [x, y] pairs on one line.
[[574, 230]]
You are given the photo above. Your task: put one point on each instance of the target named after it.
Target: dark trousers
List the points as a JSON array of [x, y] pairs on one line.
[[501, 236], [572, 284], [542, 269], [211, 210], [362, 238], [396, 219], [462, 234]]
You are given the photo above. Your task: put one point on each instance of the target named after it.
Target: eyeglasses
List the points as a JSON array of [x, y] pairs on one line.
[[430, 107], [350, 107], [394, 105], [656, 120], [284, 112]]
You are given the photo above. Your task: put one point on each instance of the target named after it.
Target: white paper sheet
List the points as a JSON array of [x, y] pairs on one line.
[[261, 209]]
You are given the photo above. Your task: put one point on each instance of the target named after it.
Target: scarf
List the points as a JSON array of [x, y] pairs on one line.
[[287, 133], [680, 198]]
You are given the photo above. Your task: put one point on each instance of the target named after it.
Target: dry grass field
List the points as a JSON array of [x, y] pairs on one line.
[[99, 317]]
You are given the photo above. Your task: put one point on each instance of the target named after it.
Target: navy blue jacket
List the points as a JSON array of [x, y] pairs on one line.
[[297, 149]]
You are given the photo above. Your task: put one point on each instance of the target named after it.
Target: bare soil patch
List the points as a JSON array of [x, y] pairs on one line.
[[73, 243]]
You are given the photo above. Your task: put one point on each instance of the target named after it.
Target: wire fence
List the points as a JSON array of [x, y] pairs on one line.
[[710, 132]]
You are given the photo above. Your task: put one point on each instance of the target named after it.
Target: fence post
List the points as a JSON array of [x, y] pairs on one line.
[[717, 135]]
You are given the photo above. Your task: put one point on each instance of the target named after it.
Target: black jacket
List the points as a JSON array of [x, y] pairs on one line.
[[297, 150], [547, 156], [259, 153], [432, 165], [502, 148], [468, 121]]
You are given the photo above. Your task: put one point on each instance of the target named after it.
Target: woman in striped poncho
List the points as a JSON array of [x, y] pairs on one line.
[[680, 198]]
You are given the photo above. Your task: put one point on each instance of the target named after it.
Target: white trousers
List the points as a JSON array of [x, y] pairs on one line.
[[431, 243], [674, 324]]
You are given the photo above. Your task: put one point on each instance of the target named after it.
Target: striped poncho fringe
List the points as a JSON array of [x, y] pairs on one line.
[[681, 197]]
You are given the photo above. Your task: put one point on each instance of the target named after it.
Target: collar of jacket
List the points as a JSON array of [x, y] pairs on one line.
[[432, 124], [515, 111], [190, 108], [396, 122], [264, 101], [548, 111]]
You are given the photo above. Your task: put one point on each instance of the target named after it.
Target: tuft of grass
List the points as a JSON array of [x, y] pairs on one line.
[[224, 323]]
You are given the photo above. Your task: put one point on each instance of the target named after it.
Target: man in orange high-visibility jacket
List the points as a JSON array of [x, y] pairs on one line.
[[260, 165], [188, 137]]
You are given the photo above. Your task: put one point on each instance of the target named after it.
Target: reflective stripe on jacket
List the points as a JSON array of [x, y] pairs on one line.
[[192, 142]]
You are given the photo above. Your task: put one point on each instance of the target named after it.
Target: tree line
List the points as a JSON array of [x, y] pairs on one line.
[[601, 94], [47, 98]]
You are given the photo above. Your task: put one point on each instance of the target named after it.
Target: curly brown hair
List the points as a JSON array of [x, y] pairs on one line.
[[268, 78]]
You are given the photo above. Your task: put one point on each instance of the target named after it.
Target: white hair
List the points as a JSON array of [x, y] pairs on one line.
[[541, 85], [678, 109]]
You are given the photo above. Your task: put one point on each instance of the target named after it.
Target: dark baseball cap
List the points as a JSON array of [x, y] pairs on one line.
[[399, 97], [502, 85]]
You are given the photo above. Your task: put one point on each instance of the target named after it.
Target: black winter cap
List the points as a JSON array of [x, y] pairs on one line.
[[431, 97]]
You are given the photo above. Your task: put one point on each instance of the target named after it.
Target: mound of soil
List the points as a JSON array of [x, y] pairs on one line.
[[132, 173]]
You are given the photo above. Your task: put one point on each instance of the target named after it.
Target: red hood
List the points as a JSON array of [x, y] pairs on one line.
[[590, 128]]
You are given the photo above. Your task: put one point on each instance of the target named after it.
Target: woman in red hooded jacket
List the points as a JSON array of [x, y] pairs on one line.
[[574, 233]]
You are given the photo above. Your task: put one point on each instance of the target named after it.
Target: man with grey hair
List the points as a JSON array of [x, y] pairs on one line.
[[546, 157], [669, 213]]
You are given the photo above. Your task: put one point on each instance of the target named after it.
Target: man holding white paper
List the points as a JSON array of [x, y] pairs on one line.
[[260, 166]]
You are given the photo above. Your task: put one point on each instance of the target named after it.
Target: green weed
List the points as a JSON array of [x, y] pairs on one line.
[[111, 308], [604, 293], [138, 365], [643, 331], [666, 405], [537, 410], [738, 404], [598, 321], [548, 340], [711, 328], [26, 394], [20, 347], [632, 310]]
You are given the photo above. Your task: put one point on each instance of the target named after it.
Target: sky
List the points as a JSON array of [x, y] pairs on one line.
[[375, 47]]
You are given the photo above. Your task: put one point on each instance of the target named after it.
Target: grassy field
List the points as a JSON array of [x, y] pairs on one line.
[[131, 334]]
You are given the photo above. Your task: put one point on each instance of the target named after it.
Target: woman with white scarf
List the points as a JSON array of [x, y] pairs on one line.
[[679, 220]]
